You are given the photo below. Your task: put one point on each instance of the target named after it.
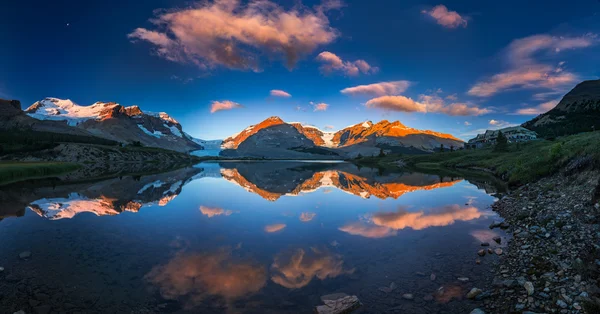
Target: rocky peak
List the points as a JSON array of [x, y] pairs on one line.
[[234, 141], [10, 108], [585, 96]]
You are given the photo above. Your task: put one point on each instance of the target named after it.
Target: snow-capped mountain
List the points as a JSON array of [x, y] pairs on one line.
[[115, 122], [365, 138]]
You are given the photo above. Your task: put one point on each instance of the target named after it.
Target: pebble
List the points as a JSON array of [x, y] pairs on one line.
[[498, 251], [408, 296], [463, 279], [473, 293], [562, 304], [432, 277], [25, 255], [529, 287], [481, 252]]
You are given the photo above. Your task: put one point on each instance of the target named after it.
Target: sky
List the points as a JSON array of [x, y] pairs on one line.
[[218, 66]]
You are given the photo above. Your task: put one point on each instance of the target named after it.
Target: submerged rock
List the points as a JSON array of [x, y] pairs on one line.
[[473, 293], [338, 303], [25, 255], [477, 311]]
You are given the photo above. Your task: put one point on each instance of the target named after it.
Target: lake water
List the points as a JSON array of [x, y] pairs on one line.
[[257, 237]]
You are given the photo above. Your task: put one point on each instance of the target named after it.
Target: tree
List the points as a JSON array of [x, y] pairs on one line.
[[381, 152], [451, 148], [359, 156], [441, 147], [501, 143]]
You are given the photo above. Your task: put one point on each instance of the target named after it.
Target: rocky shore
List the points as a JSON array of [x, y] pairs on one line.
[[552, 263]]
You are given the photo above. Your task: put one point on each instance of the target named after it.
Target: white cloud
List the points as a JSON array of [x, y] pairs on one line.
[[280, 93], [467, 123], [235, 35], [525, 71], [332, 63], [500, 123], [378, 89], [445, 17], [223, 105]]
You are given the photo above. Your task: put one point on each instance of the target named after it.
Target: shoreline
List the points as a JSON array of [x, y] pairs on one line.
[[552, 261]]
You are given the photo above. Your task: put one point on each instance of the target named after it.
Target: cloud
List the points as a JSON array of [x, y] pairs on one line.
[[297, 268], [378, 89], [446, 18], [235, 35], [274, 228], [332, 63], [280, 93], [194, 277], [467, 123], [329, 127], [396, 103], [223, 105], [321, 107], [500, 124], [525, 72], [420, 220], [452, 97], [307, 216], [214, 211], [435, 103], [537, 110], [368, 230]]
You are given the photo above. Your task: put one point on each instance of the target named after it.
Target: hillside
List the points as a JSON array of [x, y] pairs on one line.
[[578, 111]]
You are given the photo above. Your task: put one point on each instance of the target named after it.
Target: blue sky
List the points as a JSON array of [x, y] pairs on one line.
[[450, 66]]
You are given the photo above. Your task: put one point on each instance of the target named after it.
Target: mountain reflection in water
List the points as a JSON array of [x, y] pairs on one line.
[[256, 237]]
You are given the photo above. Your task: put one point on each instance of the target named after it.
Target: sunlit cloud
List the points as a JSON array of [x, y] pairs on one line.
[[321, 107], [445, 17], [280, 93], [396, 103], [368, 230], [525, 72], [333, 63], [194, 277], [236, 35], [274, 228], [297, 268], [214, 211], [500, 123], [539, 109], [378, 89], [420, 220], [224, 105], [307, 216]]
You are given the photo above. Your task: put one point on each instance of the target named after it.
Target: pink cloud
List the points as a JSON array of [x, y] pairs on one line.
[[368, 230], [321, 107], [378, 89], [235, 35], [224, 105], [280, 93], [396, 103], [435, 103], [446, 18], [332, 63], [274, 228], [420, 220], [537, 110], [525, 72]]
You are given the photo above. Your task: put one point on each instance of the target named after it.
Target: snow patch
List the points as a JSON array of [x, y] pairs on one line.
[[66, 110], [155, 184], [174, 130], [328, 139], [366, 125], [156, 134]]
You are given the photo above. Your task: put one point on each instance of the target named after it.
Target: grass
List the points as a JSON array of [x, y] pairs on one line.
[[521, 164], [19, 171]]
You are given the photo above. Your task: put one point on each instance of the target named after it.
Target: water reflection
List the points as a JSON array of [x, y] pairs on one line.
[[307, 230], [297, 268], [192, 277]]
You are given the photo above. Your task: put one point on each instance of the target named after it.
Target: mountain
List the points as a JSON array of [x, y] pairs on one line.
[[578, 111], [364, 138], [118, 123]]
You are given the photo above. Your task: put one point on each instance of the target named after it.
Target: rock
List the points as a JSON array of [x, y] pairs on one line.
[[389, 289], [497, 239], [19, 312], [421, 274], [529, 287], [473, 293], [428, 298], [44, 309], [477, 311], [25, 255], [408, 296], [495, 224], [498, 251], [562, 304], [481, 252], [1, 269], [485, 244], [338, 303], [432, 277], [597, 206], [12, 278], [477, 261], [463, 279]]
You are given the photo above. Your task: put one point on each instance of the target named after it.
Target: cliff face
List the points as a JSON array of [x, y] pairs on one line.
[[578, 111]]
